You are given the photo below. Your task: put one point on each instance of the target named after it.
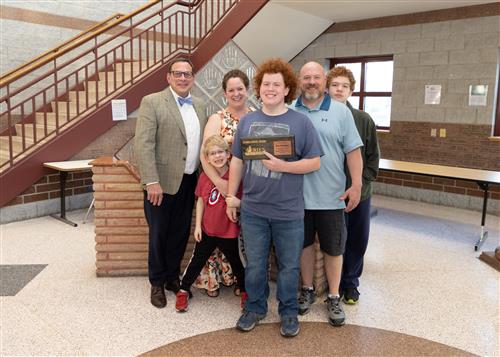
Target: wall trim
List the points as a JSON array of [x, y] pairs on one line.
[[62, 21], [44, 18], [465, 12]]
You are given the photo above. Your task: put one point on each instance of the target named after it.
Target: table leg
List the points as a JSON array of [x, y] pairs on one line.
[[484, 234], [62, 183], [88, 210]]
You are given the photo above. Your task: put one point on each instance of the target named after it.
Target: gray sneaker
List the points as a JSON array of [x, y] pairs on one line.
[[336, 315], [248, 320], [306, 298], [290, 326]]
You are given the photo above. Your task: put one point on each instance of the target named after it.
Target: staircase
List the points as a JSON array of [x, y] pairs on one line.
[[68, 104], [60, 115]]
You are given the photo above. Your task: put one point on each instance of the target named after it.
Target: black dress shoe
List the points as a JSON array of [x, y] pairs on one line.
[[158, 297], [173, 286]]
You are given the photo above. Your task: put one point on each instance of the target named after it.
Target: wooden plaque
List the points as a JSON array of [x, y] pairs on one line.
[[282, 146]]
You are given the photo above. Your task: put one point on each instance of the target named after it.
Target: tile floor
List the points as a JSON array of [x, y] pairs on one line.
[[422, 278]]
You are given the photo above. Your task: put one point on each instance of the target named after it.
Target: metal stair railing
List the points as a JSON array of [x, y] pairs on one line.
[[52, 92]]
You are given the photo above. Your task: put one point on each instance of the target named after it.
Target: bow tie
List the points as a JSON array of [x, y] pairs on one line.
[[187, 100]]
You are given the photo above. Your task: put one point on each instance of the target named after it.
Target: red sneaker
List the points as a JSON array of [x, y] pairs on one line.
[[243, 299], [181, 301]]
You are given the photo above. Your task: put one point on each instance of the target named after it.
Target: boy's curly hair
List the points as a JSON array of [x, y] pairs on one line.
[[277, 65], [340, 71]]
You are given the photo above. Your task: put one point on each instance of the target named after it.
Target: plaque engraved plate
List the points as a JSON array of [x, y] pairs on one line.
[[282, 146]]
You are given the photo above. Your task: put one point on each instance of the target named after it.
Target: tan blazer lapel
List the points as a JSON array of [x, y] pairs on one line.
[[172, 107]]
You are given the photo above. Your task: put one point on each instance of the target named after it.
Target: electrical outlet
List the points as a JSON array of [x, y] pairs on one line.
[[433, 132], [442, 133]]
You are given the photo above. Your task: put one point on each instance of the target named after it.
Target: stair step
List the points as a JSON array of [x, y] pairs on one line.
[[81, 97], [17, 143], [91, 88], [51, 119], [4, 157], [29, 130], [135, 68], [121, 77], [3, 161], [5, 154], [62, 108]]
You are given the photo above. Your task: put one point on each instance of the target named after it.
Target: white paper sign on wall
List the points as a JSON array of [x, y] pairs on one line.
[[119, 109], [432, 94]]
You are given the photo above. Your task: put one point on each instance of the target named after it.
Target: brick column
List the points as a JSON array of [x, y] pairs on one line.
[[120, 225]]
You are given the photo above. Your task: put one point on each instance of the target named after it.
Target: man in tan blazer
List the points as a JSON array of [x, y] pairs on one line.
[[167, 144]]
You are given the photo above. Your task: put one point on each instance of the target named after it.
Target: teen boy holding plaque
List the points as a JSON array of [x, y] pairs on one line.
[[272, 208]]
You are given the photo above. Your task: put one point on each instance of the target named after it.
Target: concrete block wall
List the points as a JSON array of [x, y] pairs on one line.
[[452, 52], [121, 230], [37, 26]]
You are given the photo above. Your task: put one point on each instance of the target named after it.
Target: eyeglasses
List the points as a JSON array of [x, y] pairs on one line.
[[179, 74], [216, 152]]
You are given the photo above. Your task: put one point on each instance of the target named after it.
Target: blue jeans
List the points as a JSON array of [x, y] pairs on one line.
[[287, 237]]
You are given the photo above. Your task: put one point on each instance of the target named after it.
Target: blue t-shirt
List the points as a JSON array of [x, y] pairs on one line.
[[338, 136], [275, 195]]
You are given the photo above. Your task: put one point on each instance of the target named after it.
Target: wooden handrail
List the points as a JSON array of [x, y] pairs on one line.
[[9, 78], [55, 50]]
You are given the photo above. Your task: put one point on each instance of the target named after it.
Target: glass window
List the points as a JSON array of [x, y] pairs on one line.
[[379, 109], [354, 101], [379, 76], [373, 90]]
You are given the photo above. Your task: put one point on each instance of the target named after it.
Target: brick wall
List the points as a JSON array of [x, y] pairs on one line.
[[48, 187], [465, 145], [437, 184], [121, 230]]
